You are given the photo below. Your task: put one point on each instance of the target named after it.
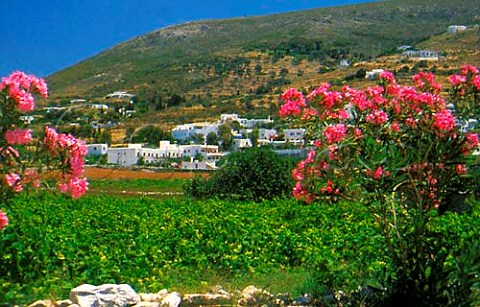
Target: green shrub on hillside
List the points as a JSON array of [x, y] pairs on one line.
[[253, 174]]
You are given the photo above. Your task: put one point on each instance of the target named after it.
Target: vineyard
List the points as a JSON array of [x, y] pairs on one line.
[[54, 244]]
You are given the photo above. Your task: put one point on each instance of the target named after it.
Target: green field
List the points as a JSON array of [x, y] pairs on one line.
[[138, 187], [54, 244]]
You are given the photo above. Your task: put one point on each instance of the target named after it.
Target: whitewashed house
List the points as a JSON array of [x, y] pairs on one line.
[[453, 29], [419, 55], [245, 122], [196, 165], [27, 119], [186, 131], [120, 95], [267, 134], [296, 134], [250, 123], [241, 144], [100, 106], [124, 156], [97, 149], [373, 74]]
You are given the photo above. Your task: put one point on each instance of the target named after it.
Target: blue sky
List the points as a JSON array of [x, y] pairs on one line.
[[42, 37]]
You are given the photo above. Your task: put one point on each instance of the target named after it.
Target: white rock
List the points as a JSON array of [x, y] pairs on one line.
[[162, 294], [110, 295], [150, 297], [252, 295], [41, 304], [172, 300]]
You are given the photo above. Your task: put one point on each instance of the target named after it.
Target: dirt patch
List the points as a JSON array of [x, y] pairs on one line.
[[98, 173]]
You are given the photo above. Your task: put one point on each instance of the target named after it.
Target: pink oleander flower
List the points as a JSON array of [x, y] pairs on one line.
[[358, 99], [294, 101], [469, 69], [426, 81], [14, 181], [18, 136], [461, 169], [19, 85], [330, 188], [289, 108], [378, 173], [388, 77], [476, 82], [358, 133], [395, 127], [335, 133], [299, 192], [309, 113], [41, 86], [444, 121], [330, 99], [3, 220], [456, 80], [298, 174], [310, 156], [377, 117], [471, 142], [320, 90], [50, 139], [472, 139], [76, 187], [25, 100]]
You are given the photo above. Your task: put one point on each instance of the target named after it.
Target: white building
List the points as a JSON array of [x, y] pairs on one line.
[[267, 134], [97, 149], [419, 55], [245, 122], [99, 106], [198, 165], [250, 123], [27, 119], [373, 74], [456, 29], [127, 156], [241, 144], [296, 134], [124, 156], [186, 131], [120, 95]]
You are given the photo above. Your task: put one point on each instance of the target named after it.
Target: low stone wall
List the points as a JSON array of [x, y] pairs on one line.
[[112, 295]]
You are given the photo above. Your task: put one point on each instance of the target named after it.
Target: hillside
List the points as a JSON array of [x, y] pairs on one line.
[[201, 69]]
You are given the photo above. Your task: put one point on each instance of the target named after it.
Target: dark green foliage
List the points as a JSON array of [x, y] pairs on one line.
[[253, 174], [150, 134]]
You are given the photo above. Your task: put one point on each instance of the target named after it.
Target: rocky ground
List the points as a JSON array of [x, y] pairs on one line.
[[112, 295]]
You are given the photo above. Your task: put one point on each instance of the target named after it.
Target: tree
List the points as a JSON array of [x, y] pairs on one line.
[[254, 136], [212, 138], [226, 136], [254, 174], [197, 138], [150, 134], [105, 137]]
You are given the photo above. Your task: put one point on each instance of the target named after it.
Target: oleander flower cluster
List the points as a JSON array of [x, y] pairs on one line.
[[22, 155], [379, 137]]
